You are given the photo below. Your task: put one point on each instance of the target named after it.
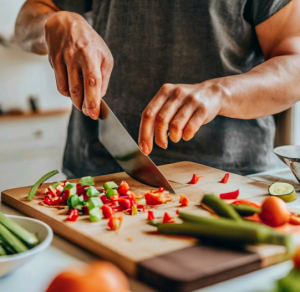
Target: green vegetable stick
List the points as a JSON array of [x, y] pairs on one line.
[[9, 239], [227, 230], [2, 251], [245, 210], [220, 207], [94, 202], [27, 237], [39, 182]]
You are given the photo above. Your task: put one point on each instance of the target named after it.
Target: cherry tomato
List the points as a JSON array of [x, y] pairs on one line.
[[274, 212]]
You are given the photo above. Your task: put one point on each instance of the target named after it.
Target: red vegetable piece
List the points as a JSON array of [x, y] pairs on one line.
[[80, 190], [52, 191], [246, 202], [225, 178], [177, 212], [150, 215], [194, 179], [107, 211], [85, 210], [184, 200], [141, 207], [154, 199], [114, 223], [160, 190], [105, 200], [124, 204], [123, 188], [167, 218], [230, 195], [66, 195], [73, 215]]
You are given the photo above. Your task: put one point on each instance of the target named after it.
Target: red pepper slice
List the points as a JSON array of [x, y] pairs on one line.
[[53, 202], [114, 223], [141, 208], [80, 190], [123, 188], [194, 179], [177, 212], [160, 190], [105, 200], [107, 211], [167, 218], [73, 215], [52, 190], [246, 202], [154, 199], [150, 215], [66, 195], [224, 180], [230, 195], [184, 200], [124, 204]]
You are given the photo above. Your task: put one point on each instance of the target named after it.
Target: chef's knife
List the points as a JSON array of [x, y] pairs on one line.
[[126, 152]]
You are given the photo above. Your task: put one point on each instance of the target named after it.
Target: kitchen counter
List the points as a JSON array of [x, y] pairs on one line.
[[36, 275]]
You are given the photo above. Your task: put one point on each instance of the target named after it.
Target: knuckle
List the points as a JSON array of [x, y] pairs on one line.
[[76, 90], [62, 89], [191, 98], [90, 105], [92, 79], [147, 114], [175, 126], [159, 119], [178, 91], [69, 54], [166, 88]]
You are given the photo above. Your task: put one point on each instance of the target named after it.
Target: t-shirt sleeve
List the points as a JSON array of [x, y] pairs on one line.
[[79, 6], [257, 11]]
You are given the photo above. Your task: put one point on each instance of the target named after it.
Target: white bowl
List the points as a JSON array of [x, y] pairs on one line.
[[44, 234]]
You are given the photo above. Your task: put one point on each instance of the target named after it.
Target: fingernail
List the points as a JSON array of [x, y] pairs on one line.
[[144, 147]]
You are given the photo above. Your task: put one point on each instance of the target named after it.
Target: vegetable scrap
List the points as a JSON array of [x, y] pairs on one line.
[[230, 195], [194, 179], [114, 223], [168, 218], [224, 180], [150, 215], [184, 201]]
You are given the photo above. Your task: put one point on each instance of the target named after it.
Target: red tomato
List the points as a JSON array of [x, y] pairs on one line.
[[274, 212]]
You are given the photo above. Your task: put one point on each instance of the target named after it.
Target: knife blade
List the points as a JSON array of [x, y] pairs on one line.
[[126, 152]]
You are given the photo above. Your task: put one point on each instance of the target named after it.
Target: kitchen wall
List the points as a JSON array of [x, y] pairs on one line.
[[23, 74]]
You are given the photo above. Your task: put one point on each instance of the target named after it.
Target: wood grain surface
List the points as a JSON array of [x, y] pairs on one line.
[[134, 246]]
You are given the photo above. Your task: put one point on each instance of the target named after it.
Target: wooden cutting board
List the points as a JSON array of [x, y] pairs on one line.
[[169, 263]]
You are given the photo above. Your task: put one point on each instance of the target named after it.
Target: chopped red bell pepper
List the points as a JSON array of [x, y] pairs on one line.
[[105, 200], [230, 195], [184, 201], [160, 190], [194, 179], [150, 215], [246, 202], [123, 188], [154, 199], [114, 223], [85, 210], [52, 191], [80, 190], [53, 202], [141, 208], [66, 195], [224, 180], [124, 203], [177, 212], [107, 211], [73, 215], [168, 218]]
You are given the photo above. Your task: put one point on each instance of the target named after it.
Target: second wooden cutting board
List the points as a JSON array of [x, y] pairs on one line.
[[169, 263]]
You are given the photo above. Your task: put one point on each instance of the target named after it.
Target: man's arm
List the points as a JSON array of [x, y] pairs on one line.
[[81, 60], [29, 27], [265, 90]]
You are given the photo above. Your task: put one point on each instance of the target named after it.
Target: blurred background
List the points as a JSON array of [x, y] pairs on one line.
[[34, 116]]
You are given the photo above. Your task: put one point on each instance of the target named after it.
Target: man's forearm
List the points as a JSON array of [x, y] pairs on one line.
[[269, 88], [29, 28]]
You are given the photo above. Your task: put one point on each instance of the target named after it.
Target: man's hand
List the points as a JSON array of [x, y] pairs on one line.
[[81, 60], [181, 110]]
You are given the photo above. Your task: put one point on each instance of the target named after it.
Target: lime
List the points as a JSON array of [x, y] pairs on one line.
[[284, 191]]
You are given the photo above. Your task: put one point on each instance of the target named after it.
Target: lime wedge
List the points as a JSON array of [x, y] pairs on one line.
[[284, 191]]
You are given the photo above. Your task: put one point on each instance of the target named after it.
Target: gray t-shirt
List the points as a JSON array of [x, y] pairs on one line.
[[175, 41]]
